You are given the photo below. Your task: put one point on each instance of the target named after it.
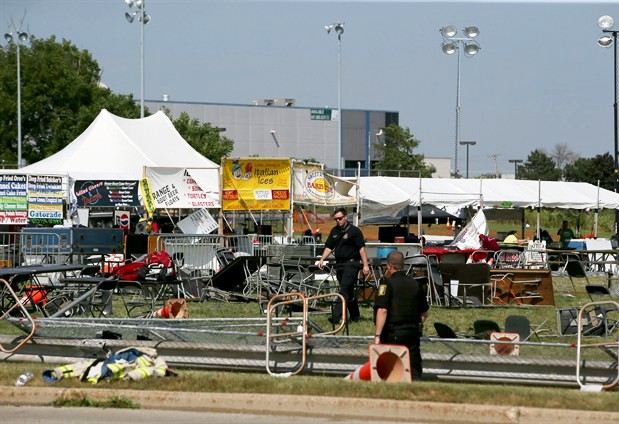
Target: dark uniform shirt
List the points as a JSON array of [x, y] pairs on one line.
[[345, 243], [404, 299]]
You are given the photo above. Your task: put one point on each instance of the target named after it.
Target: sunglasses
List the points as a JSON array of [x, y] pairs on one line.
[[339, 218]]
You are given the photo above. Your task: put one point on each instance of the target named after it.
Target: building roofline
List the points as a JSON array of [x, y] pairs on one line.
[[266, 106]]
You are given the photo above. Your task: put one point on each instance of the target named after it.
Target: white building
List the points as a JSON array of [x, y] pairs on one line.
[[278, 128]]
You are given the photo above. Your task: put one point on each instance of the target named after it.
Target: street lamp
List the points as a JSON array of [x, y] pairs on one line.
[[515, 162], [609, 38], [339, 30], [467, 144], [21, 37], [143, 18], [369, 152], [450, 45]]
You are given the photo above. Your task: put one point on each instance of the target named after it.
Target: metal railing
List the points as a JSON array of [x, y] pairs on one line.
[[22, 248]]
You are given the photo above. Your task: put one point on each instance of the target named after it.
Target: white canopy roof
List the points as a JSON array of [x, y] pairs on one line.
[[382, 196], [115, 148]]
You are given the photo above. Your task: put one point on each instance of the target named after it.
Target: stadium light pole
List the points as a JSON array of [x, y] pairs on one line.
[[143, 19], [369, 152], [515, 162], [339, 30], [452, 44], [608, 39], [20, 37], [467, 144]]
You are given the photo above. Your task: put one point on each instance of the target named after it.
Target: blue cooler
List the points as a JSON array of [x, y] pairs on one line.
[[382, 252], [578, 244]]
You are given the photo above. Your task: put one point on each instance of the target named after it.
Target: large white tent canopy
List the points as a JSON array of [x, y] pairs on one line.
[[115, 148], [385, 196]]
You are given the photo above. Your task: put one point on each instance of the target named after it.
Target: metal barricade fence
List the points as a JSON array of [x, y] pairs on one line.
[[195, 253], [22, 248]]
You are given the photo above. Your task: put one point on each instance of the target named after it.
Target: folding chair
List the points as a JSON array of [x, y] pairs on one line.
[[444, 331], [601, 293], [519, 324], [482, 328], [225, 257], [419, 266], [134, 296], [597, 292], [476, 278], [575, 269], [100, 302], [367, 285]]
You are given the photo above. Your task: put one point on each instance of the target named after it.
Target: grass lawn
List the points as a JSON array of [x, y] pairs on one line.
[[460, 319]]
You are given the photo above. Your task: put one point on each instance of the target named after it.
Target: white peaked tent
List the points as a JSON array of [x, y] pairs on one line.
[[115, 148]]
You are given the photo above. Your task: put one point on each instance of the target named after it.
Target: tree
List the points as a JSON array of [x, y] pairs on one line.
[[538, 166], [563, 155], [207, 140], [591, 170], [60, 96], [398, 154]]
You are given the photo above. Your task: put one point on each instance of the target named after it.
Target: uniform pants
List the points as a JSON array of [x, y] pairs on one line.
[[408, 336], [347, 274]]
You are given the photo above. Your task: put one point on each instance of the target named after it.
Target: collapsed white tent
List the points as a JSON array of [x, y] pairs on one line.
[[385, 196], [115, 148]]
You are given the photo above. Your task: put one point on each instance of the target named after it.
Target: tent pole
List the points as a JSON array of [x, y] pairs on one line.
[[290, 221], [595, 215], [419, 212], [539, 208]]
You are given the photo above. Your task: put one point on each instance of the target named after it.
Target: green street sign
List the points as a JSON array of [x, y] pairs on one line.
[[320, 114]]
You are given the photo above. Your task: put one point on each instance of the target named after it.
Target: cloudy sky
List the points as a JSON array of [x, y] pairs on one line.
[[540, 78]]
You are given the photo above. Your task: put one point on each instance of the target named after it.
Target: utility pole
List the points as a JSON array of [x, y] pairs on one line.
[[496, 165]]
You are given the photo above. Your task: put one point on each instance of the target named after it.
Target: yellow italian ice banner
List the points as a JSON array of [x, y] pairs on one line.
[[256, 184], [147, 196]]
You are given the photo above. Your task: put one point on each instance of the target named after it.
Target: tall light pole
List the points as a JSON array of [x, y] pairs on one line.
[[339, 30], [467, 144], [609, 38], [143, 19], [515, 162], [20, 37], [369, 152], [452, 44]]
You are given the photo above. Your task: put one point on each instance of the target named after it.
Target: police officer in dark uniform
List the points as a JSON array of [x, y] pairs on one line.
[[400, 309], [347, 243]]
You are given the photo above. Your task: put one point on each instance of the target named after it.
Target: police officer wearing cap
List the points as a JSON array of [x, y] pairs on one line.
[[347, 243], [400, 310]]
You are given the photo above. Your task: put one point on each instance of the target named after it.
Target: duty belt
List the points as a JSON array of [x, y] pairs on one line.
[[341, 261]]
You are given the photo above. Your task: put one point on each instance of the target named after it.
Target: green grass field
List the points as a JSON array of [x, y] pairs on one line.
[[460, 319]]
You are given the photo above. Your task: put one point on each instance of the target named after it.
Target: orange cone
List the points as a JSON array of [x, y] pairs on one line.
[[387, 362], [364, 372], [35, 295], [162, 313], [174, 308]]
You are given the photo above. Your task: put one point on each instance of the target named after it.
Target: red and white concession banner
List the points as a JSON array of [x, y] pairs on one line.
[[312, 185], [193, 188]]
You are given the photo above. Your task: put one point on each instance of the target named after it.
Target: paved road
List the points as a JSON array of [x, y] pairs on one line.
[[29, 404], [51, 415]]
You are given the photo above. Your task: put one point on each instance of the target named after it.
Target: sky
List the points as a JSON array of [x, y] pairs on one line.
[[539, 80]]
